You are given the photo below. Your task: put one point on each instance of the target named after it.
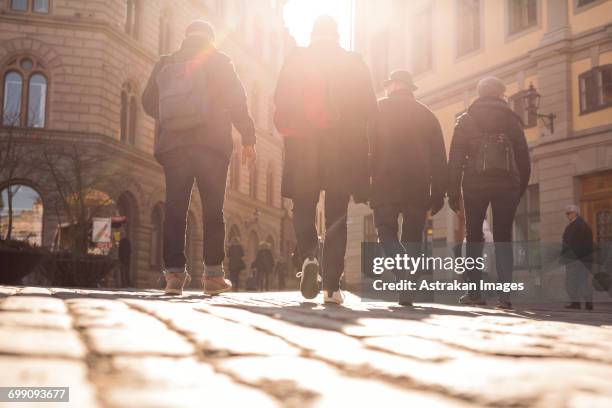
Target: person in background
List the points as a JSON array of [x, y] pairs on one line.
[[235, 254], [264, 264], [125, 259], [577, 255], [196, 97], [488, 165], [324, 101], [408, 168], [281, 273]]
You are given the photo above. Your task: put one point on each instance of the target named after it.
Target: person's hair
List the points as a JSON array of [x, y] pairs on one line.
[[491, 86], [201, 28], [324, 27], [572, 208]]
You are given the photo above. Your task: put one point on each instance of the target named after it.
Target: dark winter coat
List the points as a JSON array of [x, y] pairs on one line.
[[264, 261], [486, 114], [408, 154], [229, 104], [235, 253], [577, 242], [334, 159]]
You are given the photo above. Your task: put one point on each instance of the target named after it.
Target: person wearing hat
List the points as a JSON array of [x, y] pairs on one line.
[[324, 101], [408, 167], [196, 96], [488, 165], [576, 254]]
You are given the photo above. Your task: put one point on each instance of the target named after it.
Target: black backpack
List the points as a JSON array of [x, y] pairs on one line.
[[495, 154]]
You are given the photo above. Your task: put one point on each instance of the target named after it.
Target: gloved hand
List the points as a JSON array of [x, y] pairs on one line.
[[455, 202], [436, 204]]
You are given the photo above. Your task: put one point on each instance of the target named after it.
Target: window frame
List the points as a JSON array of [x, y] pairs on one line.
[[481, 22], [526, 30], [30, 7], [14, 65], [418, 14], [577, 9], [592, 72]]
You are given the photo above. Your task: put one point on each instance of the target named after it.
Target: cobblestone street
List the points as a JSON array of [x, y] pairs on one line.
[[143, 349]]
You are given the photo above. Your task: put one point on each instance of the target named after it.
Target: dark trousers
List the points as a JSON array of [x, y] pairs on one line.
[[209, 170], [235, 279], [334, 247], [577, 282], [413, 223], [503, 203]]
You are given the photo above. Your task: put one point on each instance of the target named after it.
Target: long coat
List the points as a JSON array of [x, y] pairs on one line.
[[334, 159], [408, 154]]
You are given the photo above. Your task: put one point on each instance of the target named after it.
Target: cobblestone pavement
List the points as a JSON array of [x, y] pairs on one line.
[[143, 349]]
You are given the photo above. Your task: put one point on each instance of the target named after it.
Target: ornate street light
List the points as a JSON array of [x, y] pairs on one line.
[[531, 99]]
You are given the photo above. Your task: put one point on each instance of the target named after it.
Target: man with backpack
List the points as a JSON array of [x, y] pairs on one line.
[[324, 102], [408, 168], [196, 97], [488, 165]]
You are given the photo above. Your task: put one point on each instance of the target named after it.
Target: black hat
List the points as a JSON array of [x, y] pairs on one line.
[[200, 26], [401, 76]]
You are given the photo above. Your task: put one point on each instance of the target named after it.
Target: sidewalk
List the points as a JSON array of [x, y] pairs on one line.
[[143, 349]]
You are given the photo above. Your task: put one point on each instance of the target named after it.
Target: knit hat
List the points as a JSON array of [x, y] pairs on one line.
[[200, 27]]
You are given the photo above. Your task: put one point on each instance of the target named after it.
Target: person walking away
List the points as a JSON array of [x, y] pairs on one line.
[[577, 255], [264, 263], [281, 273], [196, 97], [324, 101], [409, 169], [125, 259], [235, 254], [488, 165]]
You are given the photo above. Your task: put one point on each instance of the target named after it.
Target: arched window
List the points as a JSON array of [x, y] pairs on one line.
[[37, 97], [129, 115], [24, 93], [21, 214], [37, 6]]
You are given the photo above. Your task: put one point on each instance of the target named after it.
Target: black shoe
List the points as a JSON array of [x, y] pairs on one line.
[[588, 305], [504, 305], [472, 300], [309, 278], [573, 305], [405, 303]]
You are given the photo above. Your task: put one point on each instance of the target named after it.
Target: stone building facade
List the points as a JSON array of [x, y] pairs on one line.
[[562, 47], [72, 74]]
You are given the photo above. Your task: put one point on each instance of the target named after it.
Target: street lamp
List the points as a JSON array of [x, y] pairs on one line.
[[531, 99]]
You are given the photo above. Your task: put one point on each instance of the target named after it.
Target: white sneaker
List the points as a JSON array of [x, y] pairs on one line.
[[309, 278], [336, 297]]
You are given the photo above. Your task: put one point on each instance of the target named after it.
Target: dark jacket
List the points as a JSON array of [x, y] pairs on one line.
[[408, 154], [235, 253], [225, 90], [486, 114], [577, 242], [264, 261], [334, 159]]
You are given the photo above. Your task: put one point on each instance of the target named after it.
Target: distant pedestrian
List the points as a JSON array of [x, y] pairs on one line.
[[577, 255], [324, 101], [264, 264], [280, 271], [235, 254], [488, 165], [125, 260], [196, 97], [408, 168]]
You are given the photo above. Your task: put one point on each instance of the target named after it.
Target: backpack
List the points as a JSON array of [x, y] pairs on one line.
[[183, 95], [495, 154]]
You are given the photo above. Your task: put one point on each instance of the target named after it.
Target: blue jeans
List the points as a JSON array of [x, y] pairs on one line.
[[208, 169]]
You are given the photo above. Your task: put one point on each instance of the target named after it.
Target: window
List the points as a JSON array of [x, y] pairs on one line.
[[37, 6], [422, 59], [522, 14], [595, 89], [165, 34], [235, 170], [585, 2], [468, 26], [132, 18], [129, 115], [517, 103], [380, 59], [253, 181], [369, 230], [24, 93], [21, 214]]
